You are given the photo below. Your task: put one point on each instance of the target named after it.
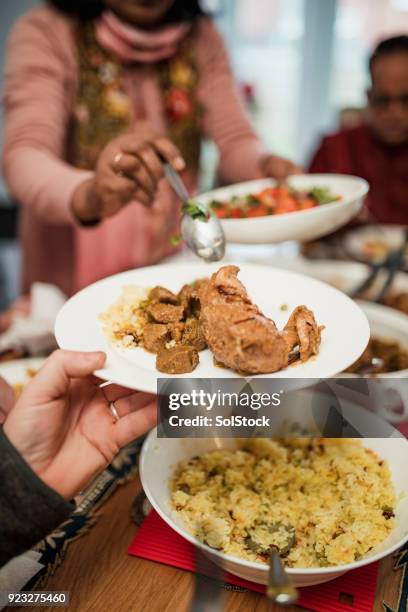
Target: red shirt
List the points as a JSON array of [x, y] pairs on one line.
[[356, 151]]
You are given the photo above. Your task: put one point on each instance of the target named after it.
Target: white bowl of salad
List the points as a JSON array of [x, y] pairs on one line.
[[307, 207]]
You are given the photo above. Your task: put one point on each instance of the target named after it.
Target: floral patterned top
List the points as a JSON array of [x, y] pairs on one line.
[[65, 97], [103, 109]]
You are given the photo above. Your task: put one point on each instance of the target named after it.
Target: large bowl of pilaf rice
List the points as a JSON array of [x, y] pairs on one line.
[[327, 505]]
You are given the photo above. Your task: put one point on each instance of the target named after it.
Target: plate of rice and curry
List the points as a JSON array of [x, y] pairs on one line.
[[213, 321]]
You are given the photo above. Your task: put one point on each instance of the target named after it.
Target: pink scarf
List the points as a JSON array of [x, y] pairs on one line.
[[131, 44]]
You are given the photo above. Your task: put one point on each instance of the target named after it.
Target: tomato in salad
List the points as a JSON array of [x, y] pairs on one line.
[[272, 201]]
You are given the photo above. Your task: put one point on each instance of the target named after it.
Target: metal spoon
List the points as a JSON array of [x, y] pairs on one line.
[[280, 589], [205, 237]]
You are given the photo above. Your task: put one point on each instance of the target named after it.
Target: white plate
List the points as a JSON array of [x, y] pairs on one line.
[[159, 457], [344, 275], [385, 322], [390, 401], [389, 324], [390, 237], [15, 372], [303, 225], [344, 339]]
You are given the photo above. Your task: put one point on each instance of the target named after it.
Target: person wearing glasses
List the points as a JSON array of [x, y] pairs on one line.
[[377, 149]]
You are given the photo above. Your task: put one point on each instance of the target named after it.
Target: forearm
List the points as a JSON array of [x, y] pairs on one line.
[[225, 120], [44, 183], [242, 160], [29, 510]]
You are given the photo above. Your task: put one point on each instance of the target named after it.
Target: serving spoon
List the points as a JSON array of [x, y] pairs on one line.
[[280, 588], [200, 228]]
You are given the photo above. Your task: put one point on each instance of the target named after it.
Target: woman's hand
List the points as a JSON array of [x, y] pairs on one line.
[[7, 399], [62, 424], [278, 168], [128, 169]]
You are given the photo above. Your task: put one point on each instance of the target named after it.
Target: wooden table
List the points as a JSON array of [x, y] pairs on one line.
[[100, 575]]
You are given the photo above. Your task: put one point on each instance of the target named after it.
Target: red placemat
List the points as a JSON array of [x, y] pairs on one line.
[[156, 541], [403, 427]]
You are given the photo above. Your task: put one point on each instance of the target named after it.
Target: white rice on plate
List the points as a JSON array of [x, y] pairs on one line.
[[123, 322]]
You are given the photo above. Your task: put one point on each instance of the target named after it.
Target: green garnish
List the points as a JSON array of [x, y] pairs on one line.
[[216, 205], [175, 240], [323, 195], [196, 210], [252, 201]]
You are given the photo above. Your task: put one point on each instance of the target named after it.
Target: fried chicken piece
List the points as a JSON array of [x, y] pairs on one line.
[[163, 295], [301, 330], [176, 330], [241, 337], [165, 313], [155, 336], [193, 335], [188, 297], [177, 360]]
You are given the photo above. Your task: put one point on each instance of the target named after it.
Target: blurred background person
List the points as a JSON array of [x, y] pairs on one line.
[[377, 148], [96, 93]]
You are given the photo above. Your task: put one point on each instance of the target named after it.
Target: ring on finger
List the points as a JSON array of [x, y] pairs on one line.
[[113, 411], [115, 163]]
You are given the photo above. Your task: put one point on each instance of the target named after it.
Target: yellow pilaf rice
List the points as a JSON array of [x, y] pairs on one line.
[[123, 322], [328, 501]]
